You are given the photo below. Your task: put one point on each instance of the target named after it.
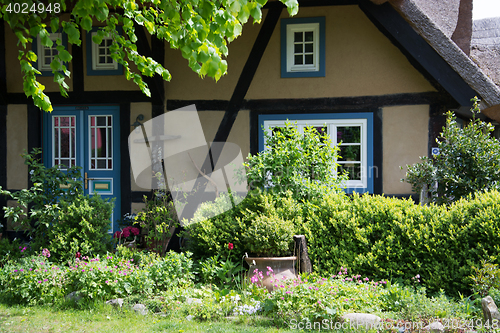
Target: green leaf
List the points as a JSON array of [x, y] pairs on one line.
[[86, 23], [64, 55]]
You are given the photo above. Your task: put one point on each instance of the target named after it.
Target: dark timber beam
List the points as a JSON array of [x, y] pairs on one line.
[[157, 52], [3, 66], [247, 74], [237, 99]]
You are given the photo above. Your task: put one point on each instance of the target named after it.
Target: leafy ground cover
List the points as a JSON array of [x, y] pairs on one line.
[[35, 290]]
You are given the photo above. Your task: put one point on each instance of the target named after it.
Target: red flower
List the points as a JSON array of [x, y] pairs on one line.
[[230, 246], [134, 231], [78, 255]]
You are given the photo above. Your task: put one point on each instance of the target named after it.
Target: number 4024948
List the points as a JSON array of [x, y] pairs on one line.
[[39, 8]]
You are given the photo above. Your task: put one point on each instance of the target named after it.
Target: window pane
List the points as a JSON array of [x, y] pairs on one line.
[[109, 60], [308, 59], [102, 51], [102, 60], [101, 164], [101, 142], [309, 36], [297, 37], [350, 153], [298, 48], [353, 170], [101, 121], [349, 134], [298, 59], [309, 47]]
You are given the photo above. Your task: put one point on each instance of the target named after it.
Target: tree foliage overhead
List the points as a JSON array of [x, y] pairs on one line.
[[201, 29]]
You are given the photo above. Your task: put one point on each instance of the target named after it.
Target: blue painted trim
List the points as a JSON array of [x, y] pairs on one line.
[[322, 42], [34, 48], [82, 124], [313, 116], [48, 154], [92, 72]]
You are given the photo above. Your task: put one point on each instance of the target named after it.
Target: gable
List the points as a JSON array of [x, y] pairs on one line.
[[360, 61]]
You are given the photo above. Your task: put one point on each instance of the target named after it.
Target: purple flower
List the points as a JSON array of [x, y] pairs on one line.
[[15, 271], [39, 281]]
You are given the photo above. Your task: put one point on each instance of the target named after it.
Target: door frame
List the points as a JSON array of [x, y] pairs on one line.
[[82, 154]]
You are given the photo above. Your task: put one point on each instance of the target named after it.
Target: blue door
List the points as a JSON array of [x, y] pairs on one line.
[[87, 136]]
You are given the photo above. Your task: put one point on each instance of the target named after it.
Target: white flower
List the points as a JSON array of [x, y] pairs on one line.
[[189, 318]]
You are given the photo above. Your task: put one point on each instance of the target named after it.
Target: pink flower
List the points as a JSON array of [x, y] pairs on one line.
[[46, 253]]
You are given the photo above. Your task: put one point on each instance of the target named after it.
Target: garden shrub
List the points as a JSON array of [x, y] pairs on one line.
[[392, 238], [172, 271], [82, 226], [303, 163], [467, 162], [209, 237]]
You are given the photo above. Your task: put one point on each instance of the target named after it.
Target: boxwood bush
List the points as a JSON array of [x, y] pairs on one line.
[[386, 237], [375, 236]]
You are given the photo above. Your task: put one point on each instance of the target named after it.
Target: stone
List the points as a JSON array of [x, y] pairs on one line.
[[190, 300], [434, 327], [490, 310], [140, 309], [357, 320], [74, 296], [117, 302]]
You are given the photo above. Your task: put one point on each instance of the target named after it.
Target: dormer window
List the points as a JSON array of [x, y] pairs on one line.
[[99, 60]]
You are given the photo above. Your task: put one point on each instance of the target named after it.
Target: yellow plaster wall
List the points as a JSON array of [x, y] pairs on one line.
[[360, 61], [187, 85], [137, 207], [17, 142], [13, 68], [405, 139], [105, 82]]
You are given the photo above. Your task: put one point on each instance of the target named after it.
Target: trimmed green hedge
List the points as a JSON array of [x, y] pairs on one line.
[[377, 236], [385, 237]]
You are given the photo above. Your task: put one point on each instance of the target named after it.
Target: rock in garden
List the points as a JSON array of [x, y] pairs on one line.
[[117, 302], [74, 296], [490, 310], [141, 309], [356, 320], [190, 300], [434, 327]]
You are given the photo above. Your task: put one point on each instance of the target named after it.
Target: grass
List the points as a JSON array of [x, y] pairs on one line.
[[106, 319]]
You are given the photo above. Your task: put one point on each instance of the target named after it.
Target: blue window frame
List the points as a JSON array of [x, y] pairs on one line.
[[45, 54], [353, 132], [99, 61], [303, 47]]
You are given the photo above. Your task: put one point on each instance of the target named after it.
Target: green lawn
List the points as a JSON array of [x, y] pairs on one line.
[[107, 319]]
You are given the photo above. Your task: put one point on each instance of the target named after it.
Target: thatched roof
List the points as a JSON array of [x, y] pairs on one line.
[[437, 32]]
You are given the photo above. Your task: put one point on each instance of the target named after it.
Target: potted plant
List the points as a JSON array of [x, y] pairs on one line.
[[268, 238]]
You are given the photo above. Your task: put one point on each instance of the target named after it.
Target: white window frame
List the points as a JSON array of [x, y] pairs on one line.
[[332, 125], [290, 47], [41, 51], [96, 66]]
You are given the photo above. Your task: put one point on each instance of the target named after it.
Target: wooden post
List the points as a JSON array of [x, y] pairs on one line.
[[301, 253]]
